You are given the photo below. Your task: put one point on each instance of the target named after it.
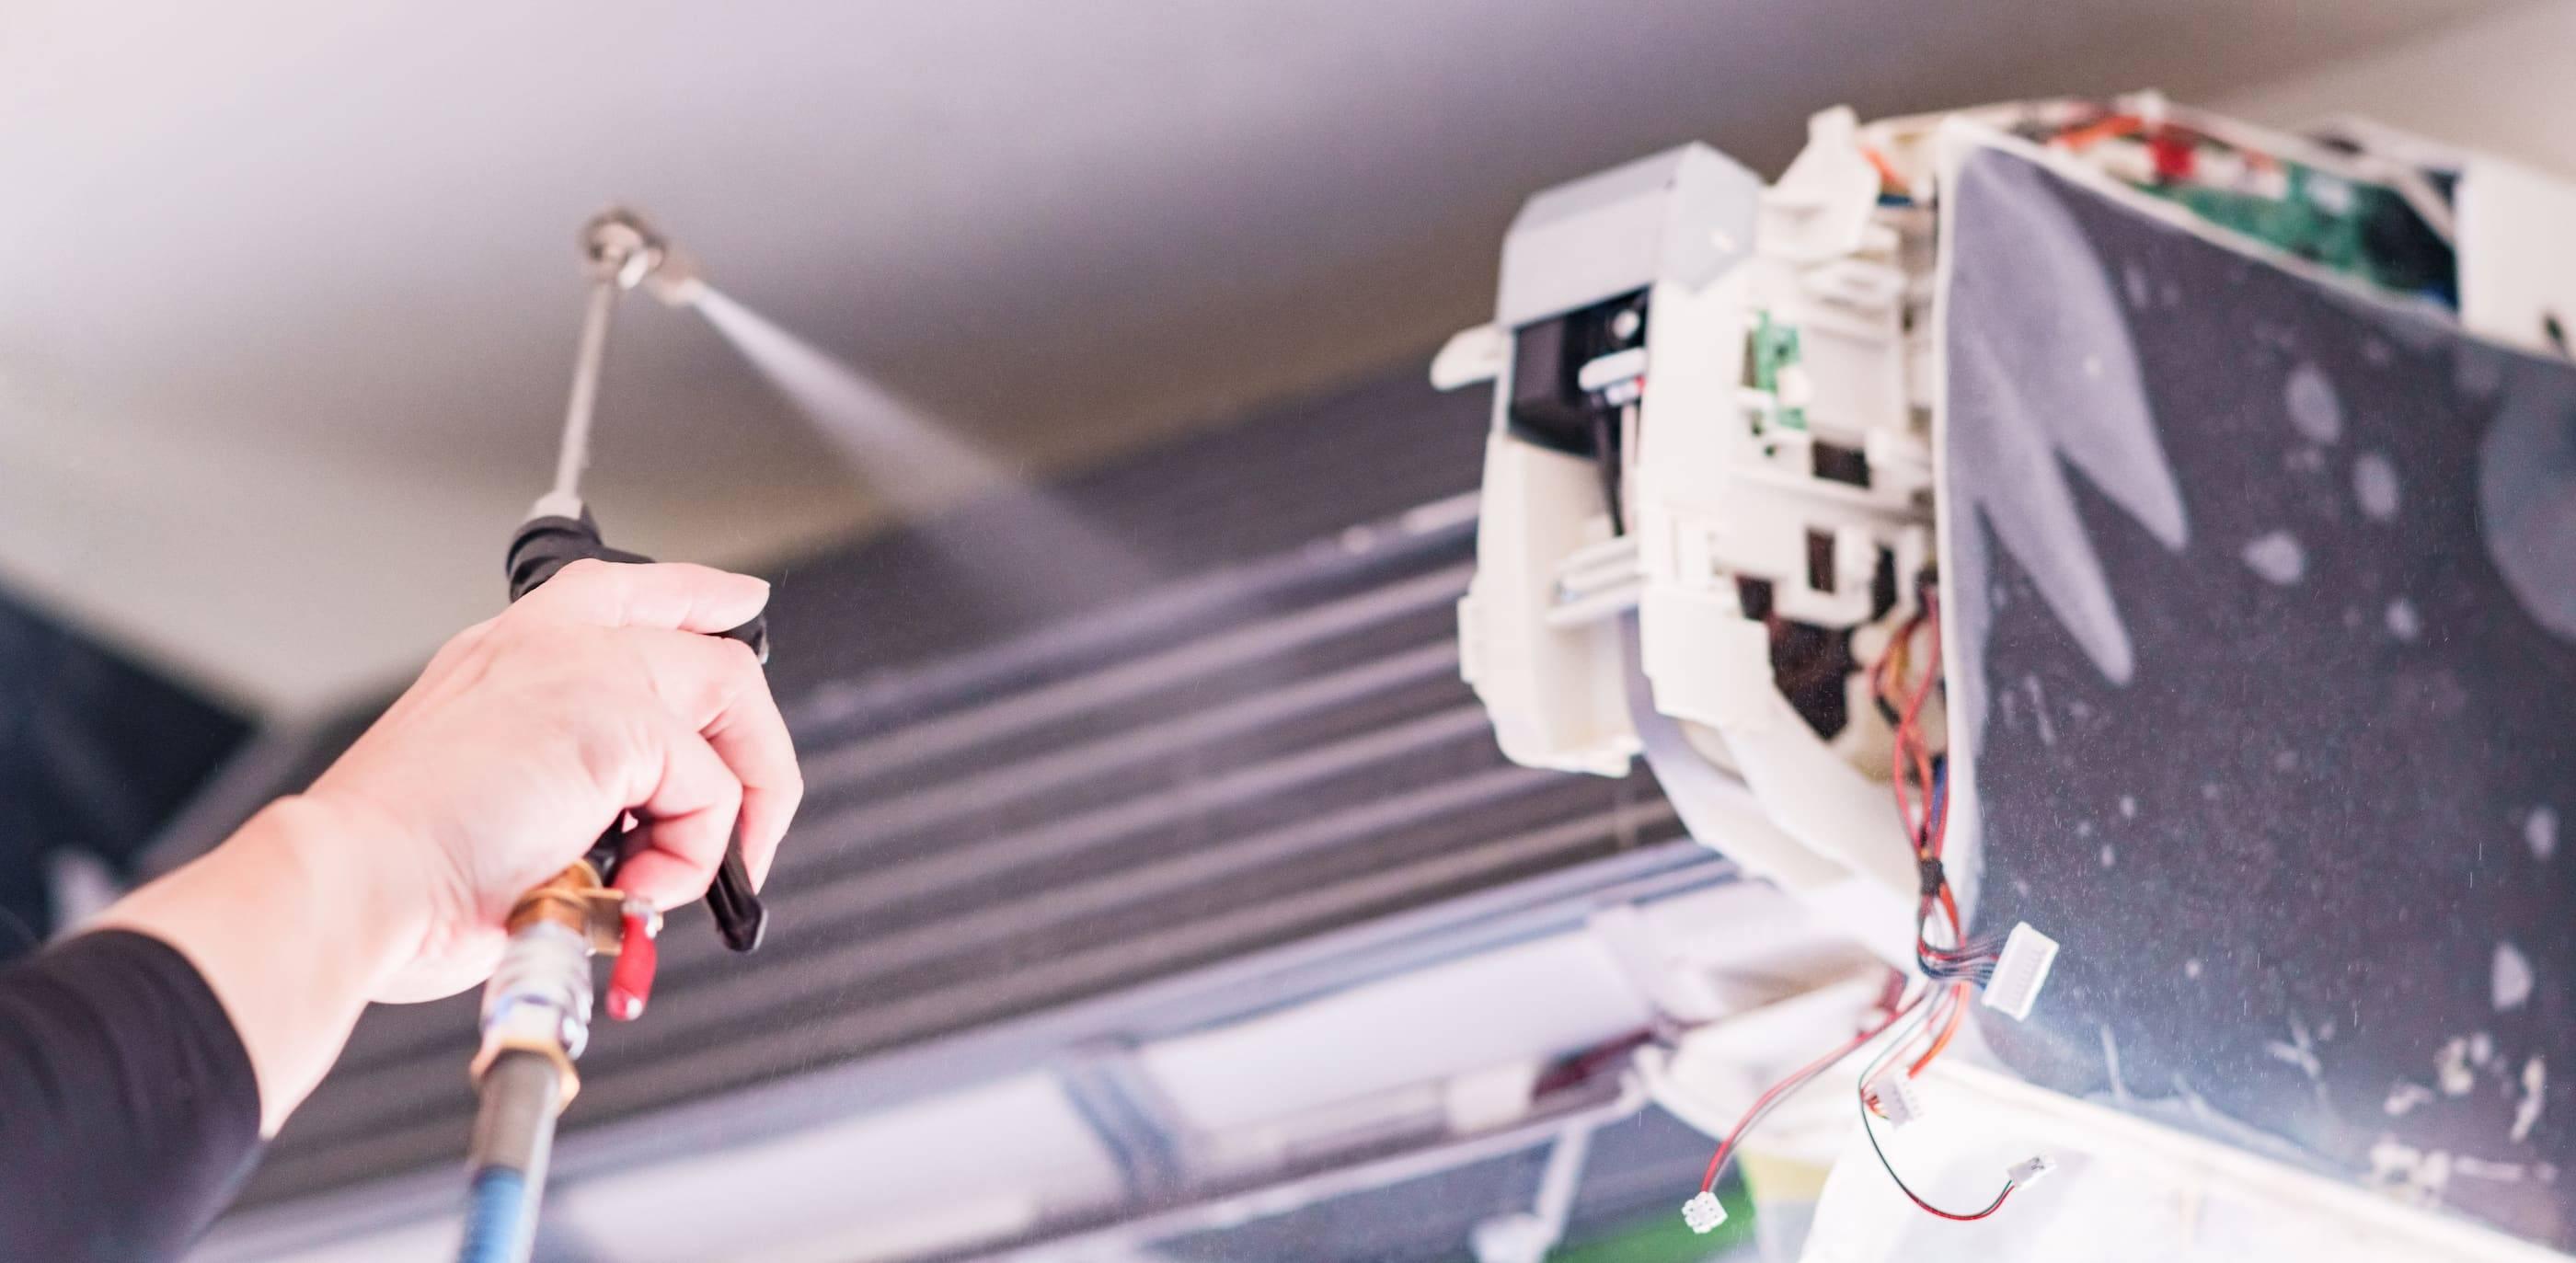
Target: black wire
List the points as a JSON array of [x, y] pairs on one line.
[[1860, 1096], [1917, 1198], [1978, 967]]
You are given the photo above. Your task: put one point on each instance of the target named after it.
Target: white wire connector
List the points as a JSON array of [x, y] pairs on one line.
[[2030, 1170], [1896, 1098], [2020, 971], [1703, 1213]]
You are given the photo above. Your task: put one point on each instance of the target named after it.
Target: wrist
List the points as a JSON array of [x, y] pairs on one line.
[[294, 923], [353, 872]]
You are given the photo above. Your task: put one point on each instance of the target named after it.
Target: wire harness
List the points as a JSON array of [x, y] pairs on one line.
[[2009, 972], [2013, 984], [1920, 779], [1895, 1098], [2020, 1174], [1890, 1013]]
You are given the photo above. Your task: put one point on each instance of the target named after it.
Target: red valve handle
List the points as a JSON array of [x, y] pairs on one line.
[[630, 980]]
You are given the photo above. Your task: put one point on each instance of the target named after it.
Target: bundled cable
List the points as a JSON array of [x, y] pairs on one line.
[[1921, 784], [2020, 1174], [1952, 964], [1891, 1014]]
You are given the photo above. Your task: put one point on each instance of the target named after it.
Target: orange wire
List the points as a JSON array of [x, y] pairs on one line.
[[1933, 829], [2086, 136], [1922, 694], [1894, 661], [1887, 176], [1909, 735], [1958, 1013]]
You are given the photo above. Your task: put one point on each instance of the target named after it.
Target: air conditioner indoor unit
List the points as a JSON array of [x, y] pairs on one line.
[[2150, 535]]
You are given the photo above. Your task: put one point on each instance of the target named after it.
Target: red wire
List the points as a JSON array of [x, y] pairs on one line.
[[1901, 1186], [1954, 1216], [1931, 670], [1909, 733], [1929, 829], [1908, 737], [1763, 1102], [1896, 752]]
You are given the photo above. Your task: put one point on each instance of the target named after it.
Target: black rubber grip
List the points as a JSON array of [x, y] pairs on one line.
[[545, 545], [540, 551], [740, 916]]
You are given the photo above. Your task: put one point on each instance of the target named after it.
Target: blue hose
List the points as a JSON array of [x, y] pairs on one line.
[[494, 1209]]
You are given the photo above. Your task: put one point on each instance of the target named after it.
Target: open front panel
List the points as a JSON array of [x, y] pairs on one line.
[[2263, 616]]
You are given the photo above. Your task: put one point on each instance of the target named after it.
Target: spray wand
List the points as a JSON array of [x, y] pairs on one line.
[[536, 1007]]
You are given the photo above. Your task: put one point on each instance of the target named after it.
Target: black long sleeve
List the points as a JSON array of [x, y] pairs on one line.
[[128, 1110]]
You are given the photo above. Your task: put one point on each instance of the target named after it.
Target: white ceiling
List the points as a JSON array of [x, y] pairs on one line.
[[288, 291]]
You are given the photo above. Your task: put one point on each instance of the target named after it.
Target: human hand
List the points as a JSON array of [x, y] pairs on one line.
[[601, 693]]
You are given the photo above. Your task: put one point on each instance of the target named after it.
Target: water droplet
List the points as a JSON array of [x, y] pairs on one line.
[[2374, 483], [2314, 410], [2403, 622], [2133, 277], [2278, 558], [2509, 979]]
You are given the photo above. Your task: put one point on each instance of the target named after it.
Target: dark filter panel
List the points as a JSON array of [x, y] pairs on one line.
[[2264, 594]]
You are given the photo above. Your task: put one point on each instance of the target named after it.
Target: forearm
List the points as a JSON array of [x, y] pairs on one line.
[[603, 694], [127, 1103], [293, 922]]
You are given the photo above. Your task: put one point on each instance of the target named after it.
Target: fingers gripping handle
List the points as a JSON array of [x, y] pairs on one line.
[[545, 545], [541, 549]]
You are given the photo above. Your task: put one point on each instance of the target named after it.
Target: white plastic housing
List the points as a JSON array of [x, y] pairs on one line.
[[1896, 1097], [2031, 1170], [1554, 690], [2021, 971], [1721, 481]]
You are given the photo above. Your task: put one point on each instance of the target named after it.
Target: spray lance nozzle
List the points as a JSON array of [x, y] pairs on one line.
[[621, 251], [626, 251], [621, 247]]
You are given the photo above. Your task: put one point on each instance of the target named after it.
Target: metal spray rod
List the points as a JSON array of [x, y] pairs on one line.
[[622, 253], [575, 453], [537, 1006]]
